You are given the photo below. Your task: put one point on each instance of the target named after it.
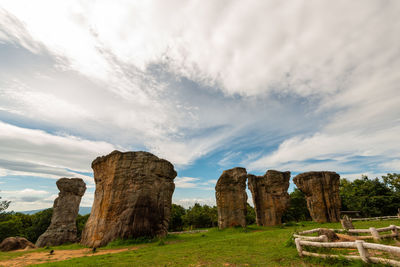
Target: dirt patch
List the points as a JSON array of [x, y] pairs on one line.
[[58, 255], [345, 238]]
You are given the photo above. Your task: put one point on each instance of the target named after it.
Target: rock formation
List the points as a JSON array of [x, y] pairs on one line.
[[231, 196], [14, 243], [330, 234], [322, 194], [133, 197], [346, 222], [62, 228], [270, 196]]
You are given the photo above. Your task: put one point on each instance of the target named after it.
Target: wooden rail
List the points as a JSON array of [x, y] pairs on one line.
[[360, 245], [374, 232], [375, 218]]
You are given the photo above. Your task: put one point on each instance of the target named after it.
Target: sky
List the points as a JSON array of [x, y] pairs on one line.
[[208, 85]]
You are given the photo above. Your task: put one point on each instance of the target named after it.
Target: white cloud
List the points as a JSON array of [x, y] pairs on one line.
[[191, 182], [186, 182], [245, 47], [27, 199], [318, 79], [37, 153], [87, 199], [189, 202], [229, 158]]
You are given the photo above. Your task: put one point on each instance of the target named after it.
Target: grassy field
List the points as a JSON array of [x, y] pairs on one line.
[[253, 246]]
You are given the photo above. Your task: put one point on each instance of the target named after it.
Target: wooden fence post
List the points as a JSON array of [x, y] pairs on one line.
[[374, 233], [395, 231], [298, 246], [363, 252]]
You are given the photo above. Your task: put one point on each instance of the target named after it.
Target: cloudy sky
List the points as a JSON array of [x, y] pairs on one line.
[[208, 85]]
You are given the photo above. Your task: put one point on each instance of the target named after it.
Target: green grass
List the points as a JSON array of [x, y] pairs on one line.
[[253, 246]]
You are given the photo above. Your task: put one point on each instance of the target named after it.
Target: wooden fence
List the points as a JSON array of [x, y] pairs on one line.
[[362, 247], [374, 232], [375, 218]]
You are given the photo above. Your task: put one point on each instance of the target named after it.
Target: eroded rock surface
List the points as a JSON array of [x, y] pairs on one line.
[[14, 243], [231, 196], [62, 228], [133, 197], [322, 194], [270, 196]]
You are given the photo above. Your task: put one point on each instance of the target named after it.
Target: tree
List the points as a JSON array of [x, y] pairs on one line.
[[200, 216], [297, 210], [392, 180], [372, 197], [4, 204], [251, 215], [80, 223], [40, 222], [176, 221]]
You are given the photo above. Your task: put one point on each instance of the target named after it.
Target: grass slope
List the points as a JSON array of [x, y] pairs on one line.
[[254, 246]]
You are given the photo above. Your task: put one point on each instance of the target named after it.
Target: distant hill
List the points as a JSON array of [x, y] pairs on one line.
[[82, 211]]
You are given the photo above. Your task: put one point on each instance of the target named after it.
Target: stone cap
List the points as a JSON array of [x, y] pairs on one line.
[[136, 154], [232, 176], [312, 174], [75, 186]]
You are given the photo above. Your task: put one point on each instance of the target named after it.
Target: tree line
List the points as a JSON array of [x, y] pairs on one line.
[[371, 197]]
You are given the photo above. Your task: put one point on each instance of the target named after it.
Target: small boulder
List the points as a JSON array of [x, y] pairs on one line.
[[331, 235], [14, 243], [346, 223]]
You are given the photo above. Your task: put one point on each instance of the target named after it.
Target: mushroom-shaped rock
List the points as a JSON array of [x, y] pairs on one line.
[[231, 196], [270, 196], [322, 194], [62, 228], [14, 243], [133, 197]]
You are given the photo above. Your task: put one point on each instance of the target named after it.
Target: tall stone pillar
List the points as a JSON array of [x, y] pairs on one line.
[[270, 196], [62, 228], [133, 197], [322, 194], [231, 196]]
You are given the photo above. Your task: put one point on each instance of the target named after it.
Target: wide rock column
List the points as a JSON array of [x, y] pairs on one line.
[[322, 194], [270, 196], [62, 228], [231, 196], [133, 197]]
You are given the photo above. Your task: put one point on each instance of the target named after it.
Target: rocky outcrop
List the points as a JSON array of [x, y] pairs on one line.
[[322, 194], [14, 243], [270, 196], [62, 228], [231, 196], [133, 197]]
